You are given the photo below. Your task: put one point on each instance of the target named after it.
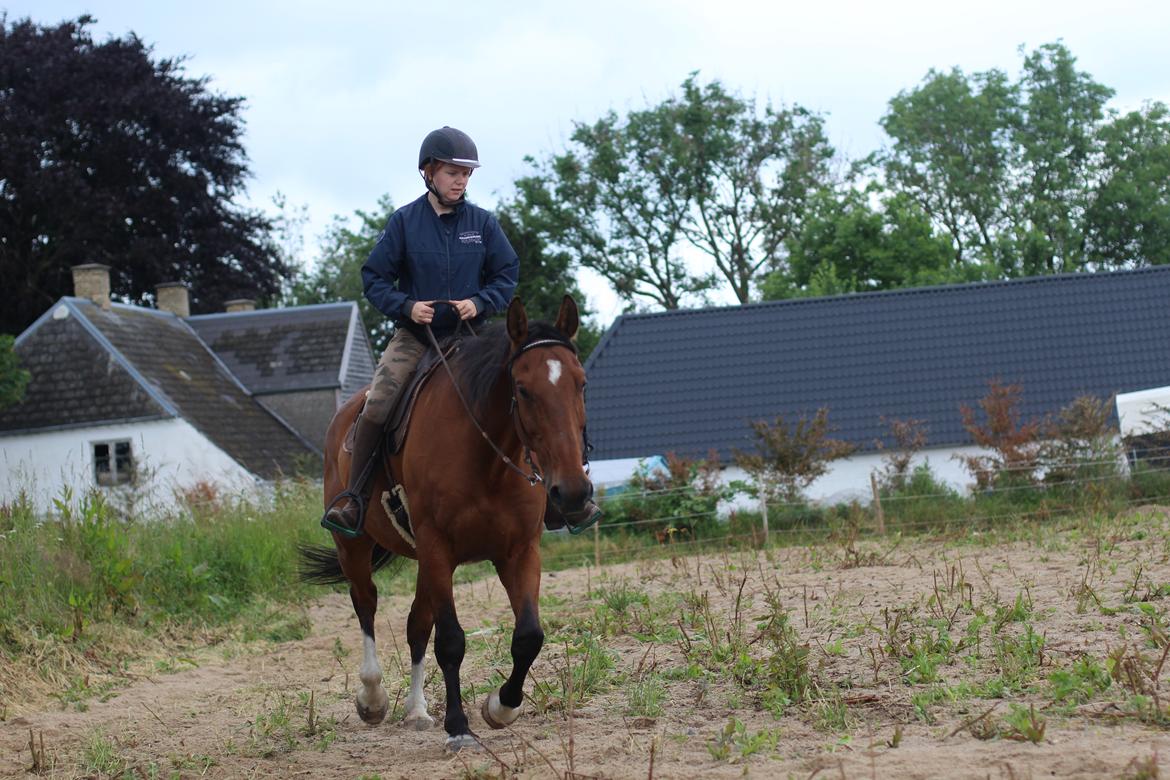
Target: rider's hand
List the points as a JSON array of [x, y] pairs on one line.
[[423, 312], [466, 308]]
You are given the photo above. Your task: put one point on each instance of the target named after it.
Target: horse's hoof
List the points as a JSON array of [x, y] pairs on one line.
[[496, 714], [371, 715], [461, 741], [419, 722]]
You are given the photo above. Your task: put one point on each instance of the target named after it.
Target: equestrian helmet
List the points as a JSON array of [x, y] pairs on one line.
[[450, 146]]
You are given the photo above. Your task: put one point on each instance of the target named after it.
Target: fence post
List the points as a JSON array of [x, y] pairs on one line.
[[764, 513], [597, 545], [877, 504]]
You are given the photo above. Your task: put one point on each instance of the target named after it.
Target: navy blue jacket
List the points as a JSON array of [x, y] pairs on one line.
[[423, 256]]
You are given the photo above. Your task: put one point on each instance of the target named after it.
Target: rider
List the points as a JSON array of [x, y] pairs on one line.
[[438, 248]]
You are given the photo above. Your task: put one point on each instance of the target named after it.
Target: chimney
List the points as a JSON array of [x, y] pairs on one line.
[[92, 281], [239, 304], [172, 297]]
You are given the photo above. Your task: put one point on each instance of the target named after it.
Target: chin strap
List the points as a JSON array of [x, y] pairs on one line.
[[442, 201]]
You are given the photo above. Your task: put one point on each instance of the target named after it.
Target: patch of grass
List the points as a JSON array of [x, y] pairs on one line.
[[646, 697], [102, 757]]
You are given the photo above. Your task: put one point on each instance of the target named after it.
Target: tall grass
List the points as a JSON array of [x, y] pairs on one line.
[[88, 565]]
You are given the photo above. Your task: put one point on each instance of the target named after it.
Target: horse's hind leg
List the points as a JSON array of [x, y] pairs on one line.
[[418, 633], [372, 701], [521, 578]]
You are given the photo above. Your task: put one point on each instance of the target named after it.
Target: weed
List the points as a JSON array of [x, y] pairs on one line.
[[1024, 724], [1079, 683], [734, 742]]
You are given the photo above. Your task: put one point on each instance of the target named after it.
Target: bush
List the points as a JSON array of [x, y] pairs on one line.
[[684, 498], [1014, 445]]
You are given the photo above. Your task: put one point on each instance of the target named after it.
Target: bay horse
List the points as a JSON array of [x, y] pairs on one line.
[[471, 488]]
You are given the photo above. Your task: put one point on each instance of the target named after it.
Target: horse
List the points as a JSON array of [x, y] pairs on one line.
[[507, 415]]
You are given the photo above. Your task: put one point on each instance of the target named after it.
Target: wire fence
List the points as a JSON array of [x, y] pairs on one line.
[[647, 523]]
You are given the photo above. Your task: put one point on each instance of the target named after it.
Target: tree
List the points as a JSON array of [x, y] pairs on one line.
[[1035, 176], [750, 174], [109, 155], [1129, 215], [13, 378], [613, 203], [1056, 134], [952, 157], [545, 276], [337, 275], [705, 168], [845, 244]]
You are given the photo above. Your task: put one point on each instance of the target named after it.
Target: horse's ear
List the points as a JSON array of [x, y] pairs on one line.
[[568, 319], [517, 322]]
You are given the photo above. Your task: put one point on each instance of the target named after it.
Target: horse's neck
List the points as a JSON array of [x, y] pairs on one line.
[[491, 422]]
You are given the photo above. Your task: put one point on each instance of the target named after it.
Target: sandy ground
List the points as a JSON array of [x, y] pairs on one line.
[[248, 716]]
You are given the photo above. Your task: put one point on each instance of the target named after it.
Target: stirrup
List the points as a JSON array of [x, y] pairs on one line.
[[344, 530]]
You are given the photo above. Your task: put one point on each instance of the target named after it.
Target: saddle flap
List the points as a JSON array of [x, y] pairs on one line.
[[399, 422]]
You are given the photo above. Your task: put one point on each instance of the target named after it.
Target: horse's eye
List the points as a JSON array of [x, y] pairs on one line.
[[522, 391]]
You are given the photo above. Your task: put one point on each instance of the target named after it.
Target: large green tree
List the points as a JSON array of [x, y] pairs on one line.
[[694, 194], [614, 202], [546, 276], [1034, 175], [110, 155], [750, 174], [952, 157], [1128, 217], [846, 243], [1057, 140]]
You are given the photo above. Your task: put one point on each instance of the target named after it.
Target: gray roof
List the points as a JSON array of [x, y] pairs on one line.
[[284, 350], [690, 381], [91, 365]]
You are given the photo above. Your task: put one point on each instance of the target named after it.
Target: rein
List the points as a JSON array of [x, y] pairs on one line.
[[534, 476]]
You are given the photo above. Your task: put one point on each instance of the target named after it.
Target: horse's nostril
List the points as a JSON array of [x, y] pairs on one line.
[[554, 493]]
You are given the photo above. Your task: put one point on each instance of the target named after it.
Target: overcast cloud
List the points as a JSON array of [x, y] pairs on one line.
[[340, 94]]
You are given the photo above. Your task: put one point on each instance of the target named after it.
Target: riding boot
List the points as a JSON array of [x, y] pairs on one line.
[[366, 437]]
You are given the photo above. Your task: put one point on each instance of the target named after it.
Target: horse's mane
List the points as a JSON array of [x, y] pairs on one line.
[[479, 363]]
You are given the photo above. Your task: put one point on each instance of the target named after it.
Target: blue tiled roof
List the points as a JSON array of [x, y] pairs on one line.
[[691, 381]]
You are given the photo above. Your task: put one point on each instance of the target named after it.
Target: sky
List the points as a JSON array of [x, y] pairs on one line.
[[339, 95]]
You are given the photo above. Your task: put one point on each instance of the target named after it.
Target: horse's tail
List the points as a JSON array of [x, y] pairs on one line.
[[320, 565]]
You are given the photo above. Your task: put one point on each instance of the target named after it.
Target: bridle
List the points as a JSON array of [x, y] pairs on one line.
[[533, 475]]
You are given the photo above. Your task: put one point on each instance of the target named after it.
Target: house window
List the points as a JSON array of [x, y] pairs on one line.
[[112, 463]]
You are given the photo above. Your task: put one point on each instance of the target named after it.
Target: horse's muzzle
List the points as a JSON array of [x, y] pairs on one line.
[[572, 508]]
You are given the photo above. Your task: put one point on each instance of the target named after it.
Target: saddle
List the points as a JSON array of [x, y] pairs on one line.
[[398, 422], [394, 435]]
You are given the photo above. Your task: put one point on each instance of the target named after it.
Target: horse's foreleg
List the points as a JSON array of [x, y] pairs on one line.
[[521, 579], [418, 633], [434, 580]]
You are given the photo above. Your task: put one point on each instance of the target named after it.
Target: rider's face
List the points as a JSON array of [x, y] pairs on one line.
[[451, 180]]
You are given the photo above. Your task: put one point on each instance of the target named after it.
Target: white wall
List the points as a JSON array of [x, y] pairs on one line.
[[1145, 411], [848, 479], [169, 454]]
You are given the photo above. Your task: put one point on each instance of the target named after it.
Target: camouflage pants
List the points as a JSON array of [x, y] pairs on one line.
[[394, 370]]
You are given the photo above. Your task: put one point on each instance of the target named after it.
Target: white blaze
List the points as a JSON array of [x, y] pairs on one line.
[[554, 371]]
